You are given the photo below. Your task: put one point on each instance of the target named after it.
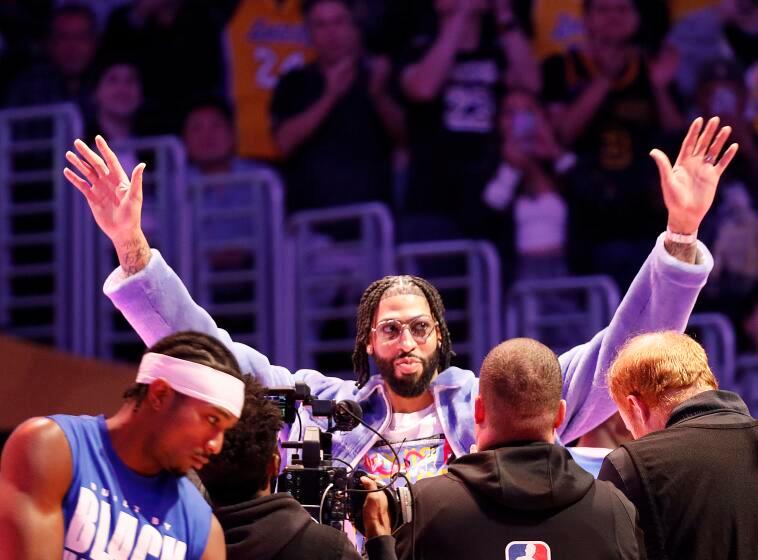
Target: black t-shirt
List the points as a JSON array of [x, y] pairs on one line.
[[454, 138], [614, 187], [348, 158]]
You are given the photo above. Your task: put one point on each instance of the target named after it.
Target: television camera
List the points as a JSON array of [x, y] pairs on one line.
[[328, 487]]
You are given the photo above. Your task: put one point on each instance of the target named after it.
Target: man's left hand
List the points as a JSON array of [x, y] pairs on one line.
[[690, 185]]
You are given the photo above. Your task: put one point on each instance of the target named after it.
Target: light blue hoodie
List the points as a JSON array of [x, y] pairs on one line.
[[156, 304]]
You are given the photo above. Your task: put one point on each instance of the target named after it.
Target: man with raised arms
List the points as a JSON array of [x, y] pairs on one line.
[[417, 400]]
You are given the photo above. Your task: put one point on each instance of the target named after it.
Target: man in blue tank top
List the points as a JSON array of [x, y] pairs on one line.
[[91, 487]]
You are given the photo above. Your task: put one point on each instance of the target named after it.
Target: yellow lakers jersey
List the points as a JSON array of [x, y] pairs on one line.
[[264, 39]]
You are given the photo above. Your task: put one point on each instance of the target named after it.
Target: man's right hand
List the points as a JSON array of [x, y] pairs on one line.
[[115, 200]]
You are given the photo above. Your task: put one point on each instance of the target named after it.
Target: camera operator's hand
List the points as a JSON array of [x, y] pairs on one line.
[[376, 516]]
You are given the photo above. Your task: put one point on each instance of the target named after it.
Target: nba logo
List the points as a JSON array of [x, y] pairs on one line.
[[527, 550]]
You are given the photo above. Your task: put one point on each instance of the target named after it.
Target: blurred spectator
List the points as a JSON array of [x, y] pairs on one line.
[[101, 8], [697, 33], [452, 80], [741, 30], [22, 32], [334, 119], [176, 45], [532, 161], [610, 103], [721, 91], [210, 142], [732, 228], [591, 83], [266, 39], [748, 326], [556, 26], [751, 109], [65, 73], [735, 250], [116, 103], [388, 25]]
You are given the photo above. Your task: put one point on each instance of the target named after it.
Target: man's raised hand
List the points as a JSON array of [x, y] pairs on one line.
[[690, 185], [115, 200]]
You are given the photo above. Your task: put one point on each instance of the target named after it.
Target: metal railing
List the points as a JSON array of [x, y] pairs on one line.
[[561, 312], [336, 253], [715, 333], [236, 256], [41, 222]]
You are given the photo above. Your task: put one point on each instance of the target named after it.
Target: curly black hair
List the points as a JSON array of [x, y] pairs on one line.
[[392, 286], [238, 473], [191, 346]]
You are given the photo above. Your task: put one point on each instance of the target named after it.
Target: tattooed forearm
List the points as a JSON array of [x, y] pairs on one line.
[[685, 252], [133, 254]]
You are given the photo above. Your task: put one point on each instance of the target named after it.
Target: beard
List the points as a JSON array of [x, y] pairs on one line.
[[407, 386]]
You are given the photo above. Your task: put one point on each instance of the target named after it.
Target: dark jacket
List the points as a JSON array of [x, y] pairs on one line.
[[696, 482], [489, 503], [276, 527]]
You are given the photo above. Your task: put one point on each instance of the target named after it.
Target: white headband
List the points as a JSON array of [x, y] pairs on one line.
[[194, 380]]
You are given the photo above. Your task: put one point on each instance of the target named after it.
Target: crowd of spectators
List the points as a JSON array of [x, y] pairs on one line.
[[526, 123]]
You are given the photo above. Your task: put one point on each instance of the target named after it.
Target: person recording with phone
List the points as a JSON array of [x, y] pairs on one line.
[[527, 183]]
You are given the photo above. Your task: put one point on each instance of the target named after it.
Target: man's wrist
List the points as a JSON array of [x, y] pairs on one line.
[[133, 252], [678, 237], [682, 246]]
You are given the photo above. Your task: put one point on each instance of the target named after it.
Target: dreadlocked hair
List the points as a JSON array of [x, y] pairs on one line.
[[394, 286]]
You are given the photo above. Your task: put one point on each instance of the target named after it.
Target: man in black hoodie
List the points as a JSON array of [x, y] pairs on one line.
[[692, 469], [520, 495], [256, 523]]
